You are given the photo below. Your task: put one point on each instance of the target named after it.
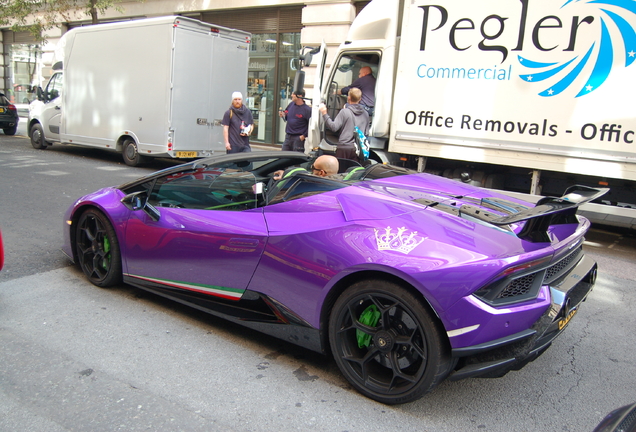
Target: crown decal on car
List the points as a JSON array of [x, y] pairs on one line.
[[401, 241]]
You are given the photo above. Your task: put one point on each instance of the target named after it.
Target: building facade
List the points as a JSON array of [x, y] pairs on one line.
[[279, 31]]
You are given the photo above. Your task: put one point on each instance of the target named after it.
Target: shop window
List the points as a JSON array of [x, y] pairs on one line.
[[24, 72], [275, 40], [260, 84], [289, 49], [266, 93]]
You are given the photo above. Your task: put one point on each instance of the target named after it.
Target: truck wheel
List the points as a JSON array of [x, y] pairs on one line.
[[131, 154], [37, 137], [10, 130]]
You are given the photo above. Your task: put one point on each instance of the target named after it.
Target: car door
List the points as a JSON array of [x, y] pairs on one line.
[[313, 140], [208, 238], [51, 114]]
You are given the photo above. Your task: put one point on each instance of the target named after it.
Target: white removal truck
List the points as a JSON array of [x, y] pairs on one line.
[[527, 96], [151, 87]]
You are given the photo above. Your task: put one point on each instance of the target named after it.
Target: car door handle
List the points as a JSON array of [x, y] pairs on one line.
[[58, 107]]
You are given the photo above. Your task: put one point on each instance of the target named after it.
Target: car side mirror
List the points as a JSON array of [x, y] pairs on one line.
[[39, 93], [139, 201]]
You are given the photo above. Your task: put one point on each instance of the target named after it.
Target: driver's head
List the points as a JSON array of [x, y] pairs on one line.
[[364, 71], [325, 165]]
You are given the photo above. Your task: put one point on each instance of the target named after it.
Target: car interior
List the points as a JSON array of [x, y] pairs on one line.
[[249, 184]]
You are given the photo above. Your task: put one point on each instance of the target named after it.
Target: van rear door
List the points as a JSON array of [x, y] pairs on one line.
[[190, 108]]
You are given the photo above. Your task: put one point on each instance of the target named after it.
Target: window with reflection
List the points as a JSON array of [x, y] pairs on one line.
[[206, 189], [270, 81]]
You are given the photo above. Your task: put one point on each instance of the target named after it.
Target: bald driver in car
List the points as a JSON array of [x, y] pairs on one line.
[[323, 166]]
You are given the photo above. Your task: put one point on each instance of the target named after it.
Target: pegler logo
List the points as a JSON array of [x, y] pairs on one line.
[[551, 46]]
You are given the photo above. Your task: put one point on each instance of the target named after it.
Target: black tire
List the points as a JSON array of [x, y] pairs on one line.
[[10, 130], [97, 249], [399, 354], [131, 154], [37, 137]]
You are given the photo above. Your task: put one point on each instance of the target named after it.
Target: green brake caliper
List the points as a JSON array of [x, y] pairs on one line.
[[369, 317], [106, 251]]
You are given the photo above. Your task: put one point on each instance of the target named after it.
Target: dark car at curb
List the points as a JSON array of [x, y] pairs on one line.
[[8, 116]]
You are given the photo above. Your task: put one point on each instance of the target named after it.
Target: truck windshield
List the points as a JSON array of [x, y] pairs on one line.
[[346, 72]]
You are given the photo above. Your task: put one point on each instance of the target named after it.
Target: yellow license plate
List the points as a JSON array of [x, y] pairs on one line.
[[1, 110], [569, 314], [183, 154]]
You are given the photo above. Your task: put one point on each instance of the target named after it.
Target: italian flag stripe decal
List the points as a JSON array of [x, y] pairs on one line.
[[227, 293]]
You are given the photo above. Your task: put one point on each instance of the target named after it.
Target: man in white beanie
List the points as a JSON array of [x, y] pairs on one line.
[[238, 124]]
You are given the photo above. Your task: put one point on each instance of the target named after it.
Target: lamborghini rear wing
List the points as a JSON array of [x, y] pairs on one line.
[[548, 211]]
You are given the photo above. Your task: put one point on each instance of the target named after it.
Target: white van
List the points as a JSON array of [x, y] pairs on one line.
[[154, 87]]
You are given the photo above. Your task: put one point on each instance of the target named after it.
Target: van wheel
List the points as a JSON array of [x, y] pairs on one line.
[[131, 154], [37, 137]]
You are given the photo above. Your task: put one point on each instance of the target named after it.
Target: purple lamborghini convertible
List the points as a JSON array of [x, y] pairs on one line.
[[406, 278]]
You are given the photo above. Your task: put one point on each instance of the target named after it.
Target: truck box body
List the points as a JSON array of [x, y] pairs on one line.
[[163, 83], [527, 96]]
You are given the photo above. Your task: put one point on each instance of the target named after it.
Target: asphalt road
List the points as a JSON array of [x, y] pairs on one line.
[[74, 357]]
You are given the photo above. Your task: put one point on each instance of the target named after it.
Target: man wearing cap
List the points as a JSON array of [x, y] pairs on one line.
[[237, 125], [297, 116]]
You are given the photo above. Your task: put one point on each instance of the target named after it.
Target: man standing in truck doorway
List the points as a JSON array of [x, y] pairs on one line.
[[352, 115], [297, 115], [366, 84], [237, 125]]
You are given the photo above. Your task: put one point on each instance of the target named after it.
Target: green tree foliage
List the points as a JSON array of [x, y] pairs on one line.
[[38, 16]]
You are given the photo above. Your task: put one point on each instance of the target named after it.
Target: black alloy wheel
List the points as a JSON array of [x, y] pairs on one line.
[[386, 342], [97, 249]]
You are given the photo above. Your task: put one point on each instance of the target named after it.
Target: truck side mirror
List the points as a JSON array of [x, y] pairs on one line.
[[307, 58], [299, 80]]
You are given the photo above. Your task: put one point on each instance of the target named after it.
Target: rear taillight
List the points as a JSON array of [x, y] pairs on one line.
[[11, 107], [525, 266]]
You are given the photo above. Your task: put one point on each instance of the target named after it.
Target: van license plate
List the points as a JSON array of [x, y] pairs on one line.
[[183, 154]]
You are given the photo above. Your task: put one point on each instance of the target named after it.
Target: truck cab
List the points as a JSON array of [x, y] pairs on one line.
[[372, 41], [469, 91]]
